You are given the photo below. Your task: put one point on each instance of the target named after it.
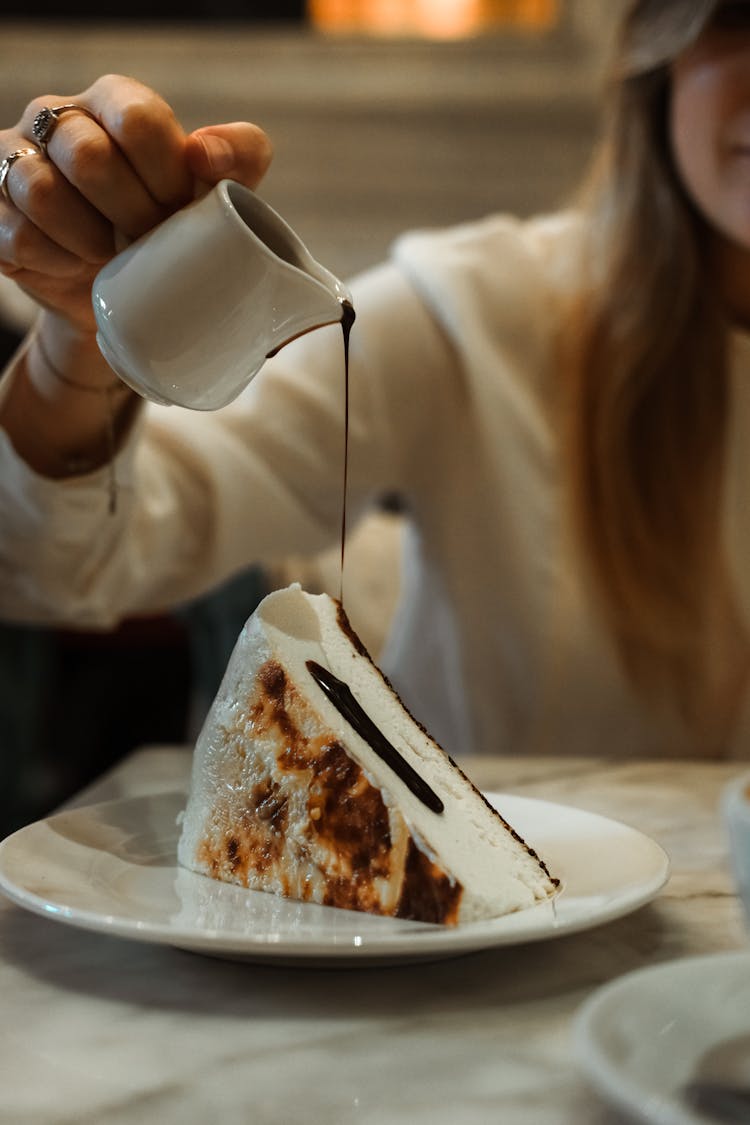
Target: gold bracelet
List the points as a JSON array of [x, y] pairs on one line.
[[78, 466]]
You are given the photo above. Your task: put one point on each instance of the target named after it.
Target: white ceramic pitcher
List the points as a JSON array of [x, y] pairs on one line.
[[187, 314]]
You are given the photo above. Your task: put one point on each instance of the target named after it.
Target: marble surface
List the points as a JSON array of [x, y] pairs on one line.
[[100, 1030]]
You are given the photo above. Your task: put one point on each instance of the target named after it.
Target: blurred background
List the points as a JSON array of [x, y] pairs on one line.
[[385, 115]]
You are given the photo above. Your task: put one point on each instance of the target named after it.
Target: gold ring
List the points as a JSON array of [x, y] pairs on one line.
[[46, 120], [6, 166]]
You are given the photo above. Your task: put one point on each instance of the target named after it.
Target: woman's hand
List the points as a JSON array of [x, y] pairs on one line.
[[104, 180]]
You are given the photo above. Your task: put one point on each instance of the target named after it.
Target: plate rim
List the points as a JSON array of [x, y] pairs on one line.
[[426, 941], [596, 1064]]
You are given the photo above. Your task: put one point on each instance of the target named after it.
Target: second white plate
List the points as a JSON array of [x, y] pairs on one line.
[[645, 1039], [112, 868]]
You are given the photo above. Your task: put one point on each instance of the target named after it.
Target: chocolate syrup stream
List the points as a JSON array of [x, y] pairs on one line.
[[347, 320], [338, 692], [341, 697]]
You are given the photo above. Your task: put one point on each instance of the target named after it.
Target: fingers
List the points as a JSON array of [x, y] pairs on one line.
[[121, 170], [24, 246], [148, 134], [116, 169], [88, 179], [55, 210], [237, 151], [68, 296], [128, 163]]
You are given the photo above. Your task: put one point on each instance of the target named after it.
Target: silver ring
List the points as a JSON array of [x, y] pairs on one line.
[[46, 120], [6, 166]]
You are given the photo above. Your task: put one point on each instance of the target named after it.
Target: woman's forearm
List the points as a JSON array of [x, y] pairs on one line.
[[62, 407]]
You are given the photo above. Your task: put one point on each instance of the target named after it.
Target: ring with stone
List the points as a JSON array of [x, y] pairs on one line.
[[6, 166], [46, 120]]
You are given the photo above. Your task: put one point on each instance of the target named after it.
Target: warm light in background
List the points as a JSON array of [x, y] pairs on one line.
[[436, 19]]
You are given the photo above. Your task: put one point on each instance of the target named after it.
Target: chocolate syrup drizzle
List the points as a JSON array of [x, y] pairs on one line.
[[343, 700], [347, 320], [337, 691]]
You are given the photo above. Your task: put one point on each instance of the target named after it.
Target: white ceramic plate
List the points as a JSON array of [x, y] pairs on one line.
[[112, 868], [645, 1038]]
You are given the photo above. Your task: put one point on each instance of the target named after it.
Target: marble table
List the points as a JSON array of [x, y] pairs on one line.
[[100, 1030]]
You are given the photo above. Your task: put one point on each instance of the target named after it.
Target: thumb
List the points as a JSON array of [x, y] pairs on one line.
[[237, 151]]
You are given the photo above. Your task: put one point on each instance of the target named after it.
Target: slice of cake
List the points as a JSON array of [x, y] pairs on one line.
[[311, 780]]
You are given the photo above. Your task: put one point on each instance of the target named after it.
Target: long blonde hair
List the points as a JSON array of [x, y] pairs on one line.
[[650, 400]]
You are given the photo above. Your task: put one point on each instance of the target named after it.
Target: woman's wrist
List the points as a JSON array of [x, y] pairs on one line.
[[63, 408]]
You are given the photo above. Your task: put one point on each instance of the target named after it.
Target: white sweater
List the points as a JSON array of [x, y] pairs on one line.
[[497, 646]]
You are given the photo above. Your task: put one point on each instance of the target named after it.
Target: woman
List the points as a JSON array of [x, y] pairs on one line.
[[561, 405]]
